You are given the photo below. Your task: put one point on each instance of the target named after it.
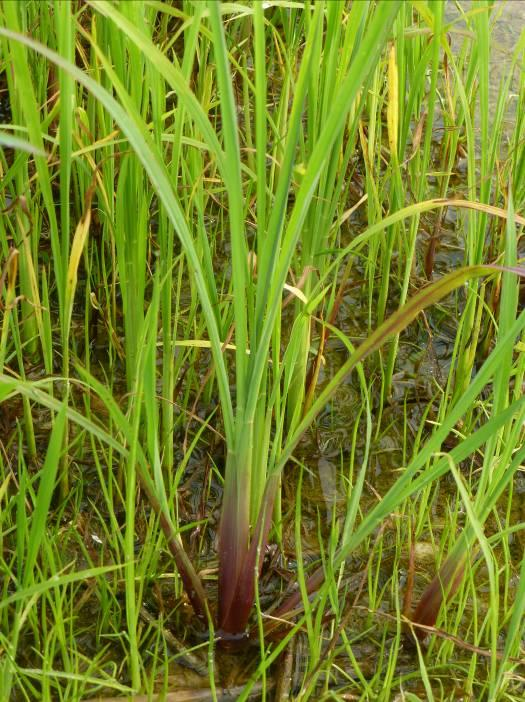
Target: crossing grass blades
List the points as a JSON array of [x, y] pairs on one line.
[[200, 185]]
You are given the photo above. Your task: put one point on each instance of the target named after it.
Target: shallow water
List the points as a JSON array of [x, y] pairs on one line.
[[423, 361], [506, 26]]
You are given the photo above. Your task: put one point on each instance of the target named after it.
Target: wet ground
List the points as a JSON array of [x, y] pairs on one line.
[[423, 363]]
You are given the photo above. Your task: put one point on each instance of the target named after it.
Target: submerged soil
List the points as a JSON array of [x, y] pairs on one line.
[[422, 368]]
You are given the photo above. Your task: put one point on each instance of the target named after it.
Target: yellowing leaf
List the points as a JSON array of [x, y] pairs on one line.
[[295, 291], [79, 241], [392, 112]]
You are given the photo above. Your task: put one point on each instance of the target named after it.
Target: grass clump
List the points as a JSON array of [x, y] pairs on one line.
[[213, 214]]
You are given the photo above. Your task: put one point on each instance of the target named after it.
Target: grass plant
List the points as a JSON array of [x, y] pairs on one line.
[[224, 225]]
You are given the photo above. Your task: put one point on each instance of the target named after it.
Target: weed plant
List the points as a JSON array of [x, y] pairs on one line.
[[261, 351]]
